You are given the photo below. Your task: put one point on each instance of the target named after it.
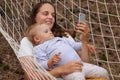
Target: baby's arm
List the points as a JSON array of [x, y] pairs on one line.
[[56, 58]]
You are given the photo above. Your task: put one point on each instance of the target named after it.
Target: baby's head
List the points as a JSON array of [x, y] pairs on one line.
[[39, 33]]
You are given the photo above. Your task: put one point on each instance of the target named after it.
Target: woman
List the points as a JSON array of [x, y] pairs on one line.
[[44, 12]]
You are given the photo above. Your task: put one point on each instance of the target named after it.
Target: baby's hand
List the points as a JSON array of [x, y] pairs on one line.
[[91, 48], [55, 59]]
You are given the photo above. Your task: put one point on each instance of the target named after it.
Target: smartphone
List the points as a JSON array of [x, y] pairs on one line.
[[81, 17]]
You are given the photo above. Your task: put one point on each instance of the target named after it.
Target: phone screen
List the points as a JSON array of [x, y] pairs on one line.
[[81, 17]]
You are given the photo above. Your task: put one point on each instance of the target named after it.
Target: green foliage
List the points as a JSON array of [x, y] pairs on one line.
[[19, 72], [5, 47], [61, 19], [103, 57], [6, 67], [1, 63]]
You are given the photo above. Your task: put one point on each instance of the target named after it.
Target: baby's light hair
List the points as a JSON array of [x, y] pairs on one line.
[[31, 32]]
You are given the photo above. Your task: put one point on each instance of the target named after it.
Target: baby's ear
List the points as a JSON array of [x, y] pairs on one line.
[[36, 40]]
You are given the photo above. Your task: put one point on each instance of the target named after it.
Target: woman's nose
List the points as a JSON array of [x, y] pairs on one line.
[[50, 16], [50, 32]]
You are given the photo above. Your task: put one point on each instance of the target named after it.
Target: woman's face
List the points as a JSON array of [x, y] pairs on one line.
[[46, 15]]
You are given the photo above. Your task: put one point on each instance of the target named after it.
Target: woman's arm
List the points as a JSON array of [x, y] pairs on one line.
[[91, 49], [84, 52], [67, 69], [30, 67], [83, 29]]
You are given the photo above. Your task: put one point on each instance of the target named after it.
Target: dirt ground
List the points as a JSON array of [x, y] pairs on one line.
[[10, 68]]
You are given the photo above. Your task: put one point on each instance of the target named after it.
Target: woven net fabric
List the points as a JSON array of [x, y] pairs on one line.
[[102, 16]]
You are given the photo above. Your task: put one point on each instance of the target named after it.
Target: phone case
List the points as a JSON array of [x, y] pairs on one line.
[[81, 17]]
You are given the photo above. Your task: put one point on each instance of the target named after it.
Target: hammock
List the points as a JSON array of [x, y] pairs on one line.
[[103, 17]]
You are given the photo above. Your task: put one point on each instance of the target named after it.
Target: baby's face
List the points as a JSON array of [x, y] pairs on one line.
[[44, 33]]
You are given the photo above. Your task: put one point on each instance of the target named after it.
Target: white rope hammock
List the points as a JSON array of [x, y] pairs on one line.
[[103, 17]]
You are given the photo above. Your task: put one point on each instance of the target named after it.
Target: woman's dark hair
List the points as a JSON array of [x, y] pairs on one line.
[[56, 29]]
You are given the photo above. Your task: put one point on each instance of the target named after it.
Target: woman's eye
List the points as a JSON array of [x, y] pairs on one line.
[[45, 13], [53, 14], [46, 31]]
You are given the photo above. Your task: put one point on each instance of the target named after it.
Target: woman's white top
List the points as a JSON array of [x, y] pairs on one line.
[[26, 48]]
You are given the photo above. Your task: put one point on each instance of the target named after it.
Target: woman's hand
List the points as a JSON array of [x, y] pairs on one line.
[[67, 68], [83, 29], [71, 67]]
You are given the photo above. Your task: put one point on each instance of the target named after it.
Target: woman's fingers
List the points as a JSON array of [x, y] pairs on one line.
[[71, 67], [82, 28], [76, 66]]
